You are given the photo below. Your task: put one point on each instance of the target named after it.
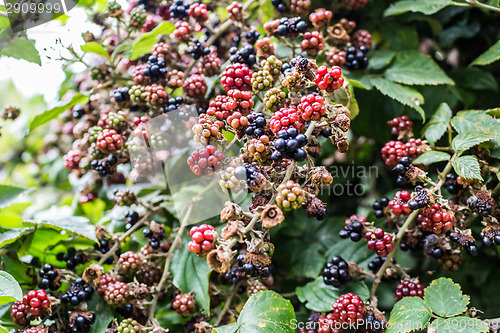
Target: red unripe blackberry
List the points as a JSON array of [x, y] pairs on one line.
[[104, 282], [184, 304], [195, 86], [312, 43], [379, 241], [393, 151], [72, 159], [265, 47], [109, 141], [161, 50], [300, 7], [356, 4], [399, 204], [236, 76], [335, 57], [311, 107], [19, 312], [129, 263], [329, 80], [206, 131], [348, 308], [34, 303], [210, 64], [205, 161], [243, 99], [326, 324], [320, 18], [174, 79], [409, 289], [35, 330], [435, 220], [235, 11], [198, 11], [237, 120], [286, 118], [182, 31], [117, 293], [149, 274], [202, 239], [221, 107], [400, 125]]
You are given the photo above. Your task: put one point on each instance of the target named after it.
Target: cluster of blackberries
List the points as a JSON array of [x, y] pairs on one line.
[[289, 145], [379, 206], [253, 270], [104, 246], [126, 310], [291, 26], [154, 237], [245, 55], [77, 293], [246, 173], [80, 323], [356, 58], [198, 50], [336, 272], [78, 111], [49, 278], [179, 9], [300, 63], [252, 36], [327, 132], [280, 5], [421, 198], [174, 103], [466, 241], [353, 228], [71, 257], [104, 167], [451, 184], [432, 248], [376, 264], [131, 219], [235, 275], [121, 95], [157, 68], [256, 124], [402, 168], [490, 237], [480, 205]]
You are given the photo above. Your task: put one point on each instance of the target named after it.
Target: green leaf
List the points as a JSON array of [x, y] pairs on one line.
[[460, 324], [3, 330], [474, 121], [319, 297], [399, 36], [464, 141], [438, 123], [432, 156], [381, 59], [474, 78], [405, 95], [146, 42], [467, 167], [8, 220], [75, 224], [307, 263], [407, 314], [55, 112], [94, 47], [104, 317], [191, 273], [445, 298], [428, 7], [351, 251], [488, 57], [9, 237], [8, 194], [264, 312], [10, 290], [21, 48], [415, 68]]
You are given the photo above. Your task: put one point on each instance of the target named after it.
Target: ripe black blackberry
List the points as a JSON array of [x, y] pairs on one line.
[[481, 204], [376, 264], [404, 165], [81, 323], [131, 219], [466, 241], [78, 111], [174, 103], [252, 36], [198, 50], [253, 270], [490, 236], [451, 184], [379, 206], [126, 310], [77, 293], [421, 199], [256, 124], [289, 145], [154, 235], [245, 55], [103, 247], [179, 9], [157, 68], [300, 63], [71, 257], [49, 278], [104, 167], [291, 26], [336, 272], [356, 58], [372, 324], [353, 229], [235, 275], [121, 95], [247, 173], [280, 5], [432, 246]]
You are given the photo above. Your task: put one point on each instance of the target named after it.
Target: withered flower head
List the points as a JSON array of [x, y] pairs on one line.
[[231, 211], [218, 260], [271, 216], [343, 122], [257, 259], [231, 229], [339, 34], [92, 273], [342, 145], [316, 208]]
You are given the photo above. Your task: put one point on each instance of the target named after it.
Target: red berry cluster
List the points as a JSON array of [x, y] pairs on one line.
[[379, 241], [184, 304], [400, 125], [202, 238], [210, 64], [329, 80], [236, 76], [198, 11], [155, 94], [221, 107], [311, 107], [244, 100], [108, 141], [399, 204], [206, 130], [320, 18], [129, 263], [312, 43], [195, 86], [356, 4], [336, 57], [182, 31], [138, 74], [35, 302], [235, 11], [326, 324], [286, 118], [174, 79], [205, 161], [161, 49], [348, 308], [408, 288], [72, 159], [393, 151], [435, 219]]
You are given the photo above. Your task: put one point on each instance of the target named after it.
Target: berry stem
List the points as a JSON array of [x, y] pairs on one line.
[[227, 305], [478, 4]]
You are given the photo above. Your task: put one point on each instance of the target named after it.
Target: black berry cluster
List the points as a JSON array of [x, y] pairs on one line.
[[376, 264], [379, 206], [80, 323], [280, 5], [480, 204], [71, 257], [421, 198], [247, 173], [77, 293], [157, 68], [291, 26], [49, 278], [78, 111], [336, 272], [235, 275], [252, 36], [131, 219], [253, 270], [154, 236], [404, 165], [356, 58], [179, 9], [452, 184], [353, 228], [432, 247], [121, 95], [289, 145], [198, 50], [256, 124], [104, 246], [245, 55], [466, 241], [104, 167], [490, 236]]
